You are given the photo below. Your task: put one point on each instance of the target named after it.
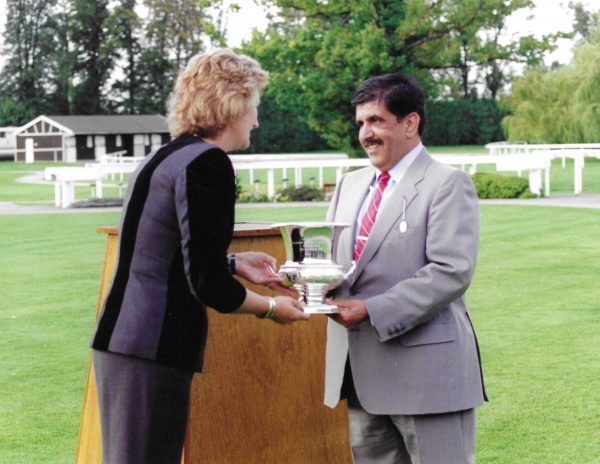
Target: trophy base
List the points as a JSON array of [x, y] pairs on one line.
[[321, 309]]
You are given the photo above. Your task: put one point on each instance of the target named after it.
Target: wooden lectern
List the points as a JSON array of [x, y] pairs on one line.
[[260, 397]]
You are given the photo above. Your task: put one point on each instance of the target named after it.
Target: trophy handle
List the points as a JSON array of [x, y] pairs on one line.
[[272, 270]]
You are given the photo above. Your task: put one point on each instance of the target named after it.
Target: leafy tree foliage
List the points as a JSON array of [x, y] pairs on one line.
[[318, 52], [14, 113], [559, 105], [125, 28], [60, 60], [96, 56], [173, 33], [177, 27], [28, 39], [584, 23]]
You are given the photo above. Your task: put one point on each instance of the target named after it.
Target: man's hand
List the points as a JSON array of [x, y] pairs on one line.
[[352, 312], [259, 268]]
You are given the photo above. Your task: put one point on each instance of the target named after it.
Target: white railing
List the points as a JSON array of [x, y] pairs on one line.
[[66, 178], [549, 151], [297, 164], [506, 157], [536, 167], [119, 157], [295, 161], [499, 148]]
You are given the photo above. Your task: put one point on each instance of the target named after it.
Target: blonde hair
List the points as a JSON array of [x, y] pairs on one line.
[[212, 91]]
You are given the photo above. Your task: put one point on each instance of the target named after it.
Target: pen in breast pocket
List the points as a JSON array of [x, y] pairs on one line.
[[403, 224]]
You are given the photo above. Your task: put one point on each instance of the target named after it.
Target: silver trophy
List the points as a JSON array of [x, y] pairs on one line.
[[310, 268]]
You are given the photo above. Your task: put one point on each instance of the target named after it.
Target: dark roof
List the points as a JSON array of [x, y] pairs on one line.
[[114, 124]]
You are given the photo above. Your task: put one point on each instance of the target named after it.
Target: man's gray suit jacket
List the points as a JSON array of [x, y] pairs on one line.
[[416, 353]]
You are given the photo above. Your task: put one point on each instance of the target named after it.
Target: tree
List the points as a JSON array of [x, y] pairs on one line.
[[14, 113], [584, 20], [558, 105], [318, 52], [176, 27], [60, 59], [586, 100], [94, 58], [27, 41], [465, 51], [124, 26], [173, 33]]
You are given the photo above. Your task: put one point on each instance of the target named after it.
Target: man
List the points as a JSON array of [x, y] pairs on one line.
[[402, 349]]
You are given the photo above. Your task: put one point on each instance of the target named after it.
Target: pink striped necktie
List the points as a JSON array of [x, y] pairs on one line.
[[371, 214]]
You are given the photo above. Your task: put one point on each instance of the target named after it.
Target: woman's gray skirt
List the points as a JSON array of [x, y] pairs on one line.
[[143, 409]]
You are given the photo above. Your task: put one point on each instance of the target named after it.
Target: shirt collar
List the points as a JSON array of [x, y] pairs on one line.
[[398, 170]]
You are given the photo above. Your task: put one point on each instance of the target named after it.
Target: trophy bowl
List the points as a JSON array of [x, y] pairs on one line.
[[310, 268]]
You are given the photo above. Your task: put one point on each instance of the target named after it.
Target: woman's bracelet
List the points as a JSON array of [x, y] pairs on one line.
[[271, 311], [231, 263]]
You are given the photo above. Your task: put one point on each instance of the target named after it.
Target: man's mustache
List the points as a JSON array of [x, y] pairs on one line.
[[372, 141]]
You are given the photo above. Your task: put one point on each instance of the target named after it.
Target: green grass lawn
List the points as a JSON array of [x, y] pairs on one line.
[[535, 302], [470, 149]]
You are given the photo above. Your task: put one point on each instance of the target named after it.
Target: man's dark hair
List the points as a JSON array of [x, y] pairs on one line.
[[399, 94]]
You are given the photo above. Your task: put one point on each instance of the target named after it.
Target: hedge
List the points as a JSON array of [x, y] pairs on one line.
[[490, 185], [282, 131], [463, 122], [449, 122]]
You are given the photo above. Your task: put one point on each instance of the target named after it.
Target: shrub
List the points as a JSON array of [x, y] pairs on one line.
[[489, 185], [252, 197], [239, 189], [302, 193]]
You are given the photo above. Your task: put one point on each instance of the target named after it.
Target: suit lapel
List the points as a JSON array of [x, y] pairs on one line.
[[405, 190]]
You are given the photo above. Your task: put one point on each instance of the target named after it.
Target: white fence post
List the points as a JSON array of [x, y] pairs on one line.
[[29, 158], [270, 182], [578, 174]]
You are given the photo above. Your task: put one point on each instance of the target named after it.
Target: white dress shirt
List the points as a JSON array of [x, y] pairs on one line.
[[396, 174]]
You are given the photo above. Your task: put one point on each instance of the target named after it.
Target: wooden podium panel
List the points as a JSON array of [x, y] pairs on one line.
[[260, 397]]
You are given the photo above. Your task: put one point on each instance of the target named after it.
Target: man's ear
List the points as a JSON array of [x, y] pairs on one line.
[[412, 121]]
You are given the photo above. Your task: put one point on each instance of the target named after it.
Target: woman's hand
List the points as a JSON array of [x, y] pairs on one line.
[[259, 268], [288, 310]]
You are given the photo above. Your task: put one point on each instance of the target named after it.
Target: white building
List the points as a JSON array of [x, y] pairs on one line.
[[7, 141], [88, 138]]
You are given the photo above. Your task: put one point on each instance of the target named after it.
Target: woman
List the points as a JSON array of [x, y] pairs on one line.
[[176, 226]]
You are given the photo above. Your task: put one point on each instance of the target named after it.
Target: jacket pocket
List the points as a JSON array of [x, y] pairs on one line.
[[428, 334]]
